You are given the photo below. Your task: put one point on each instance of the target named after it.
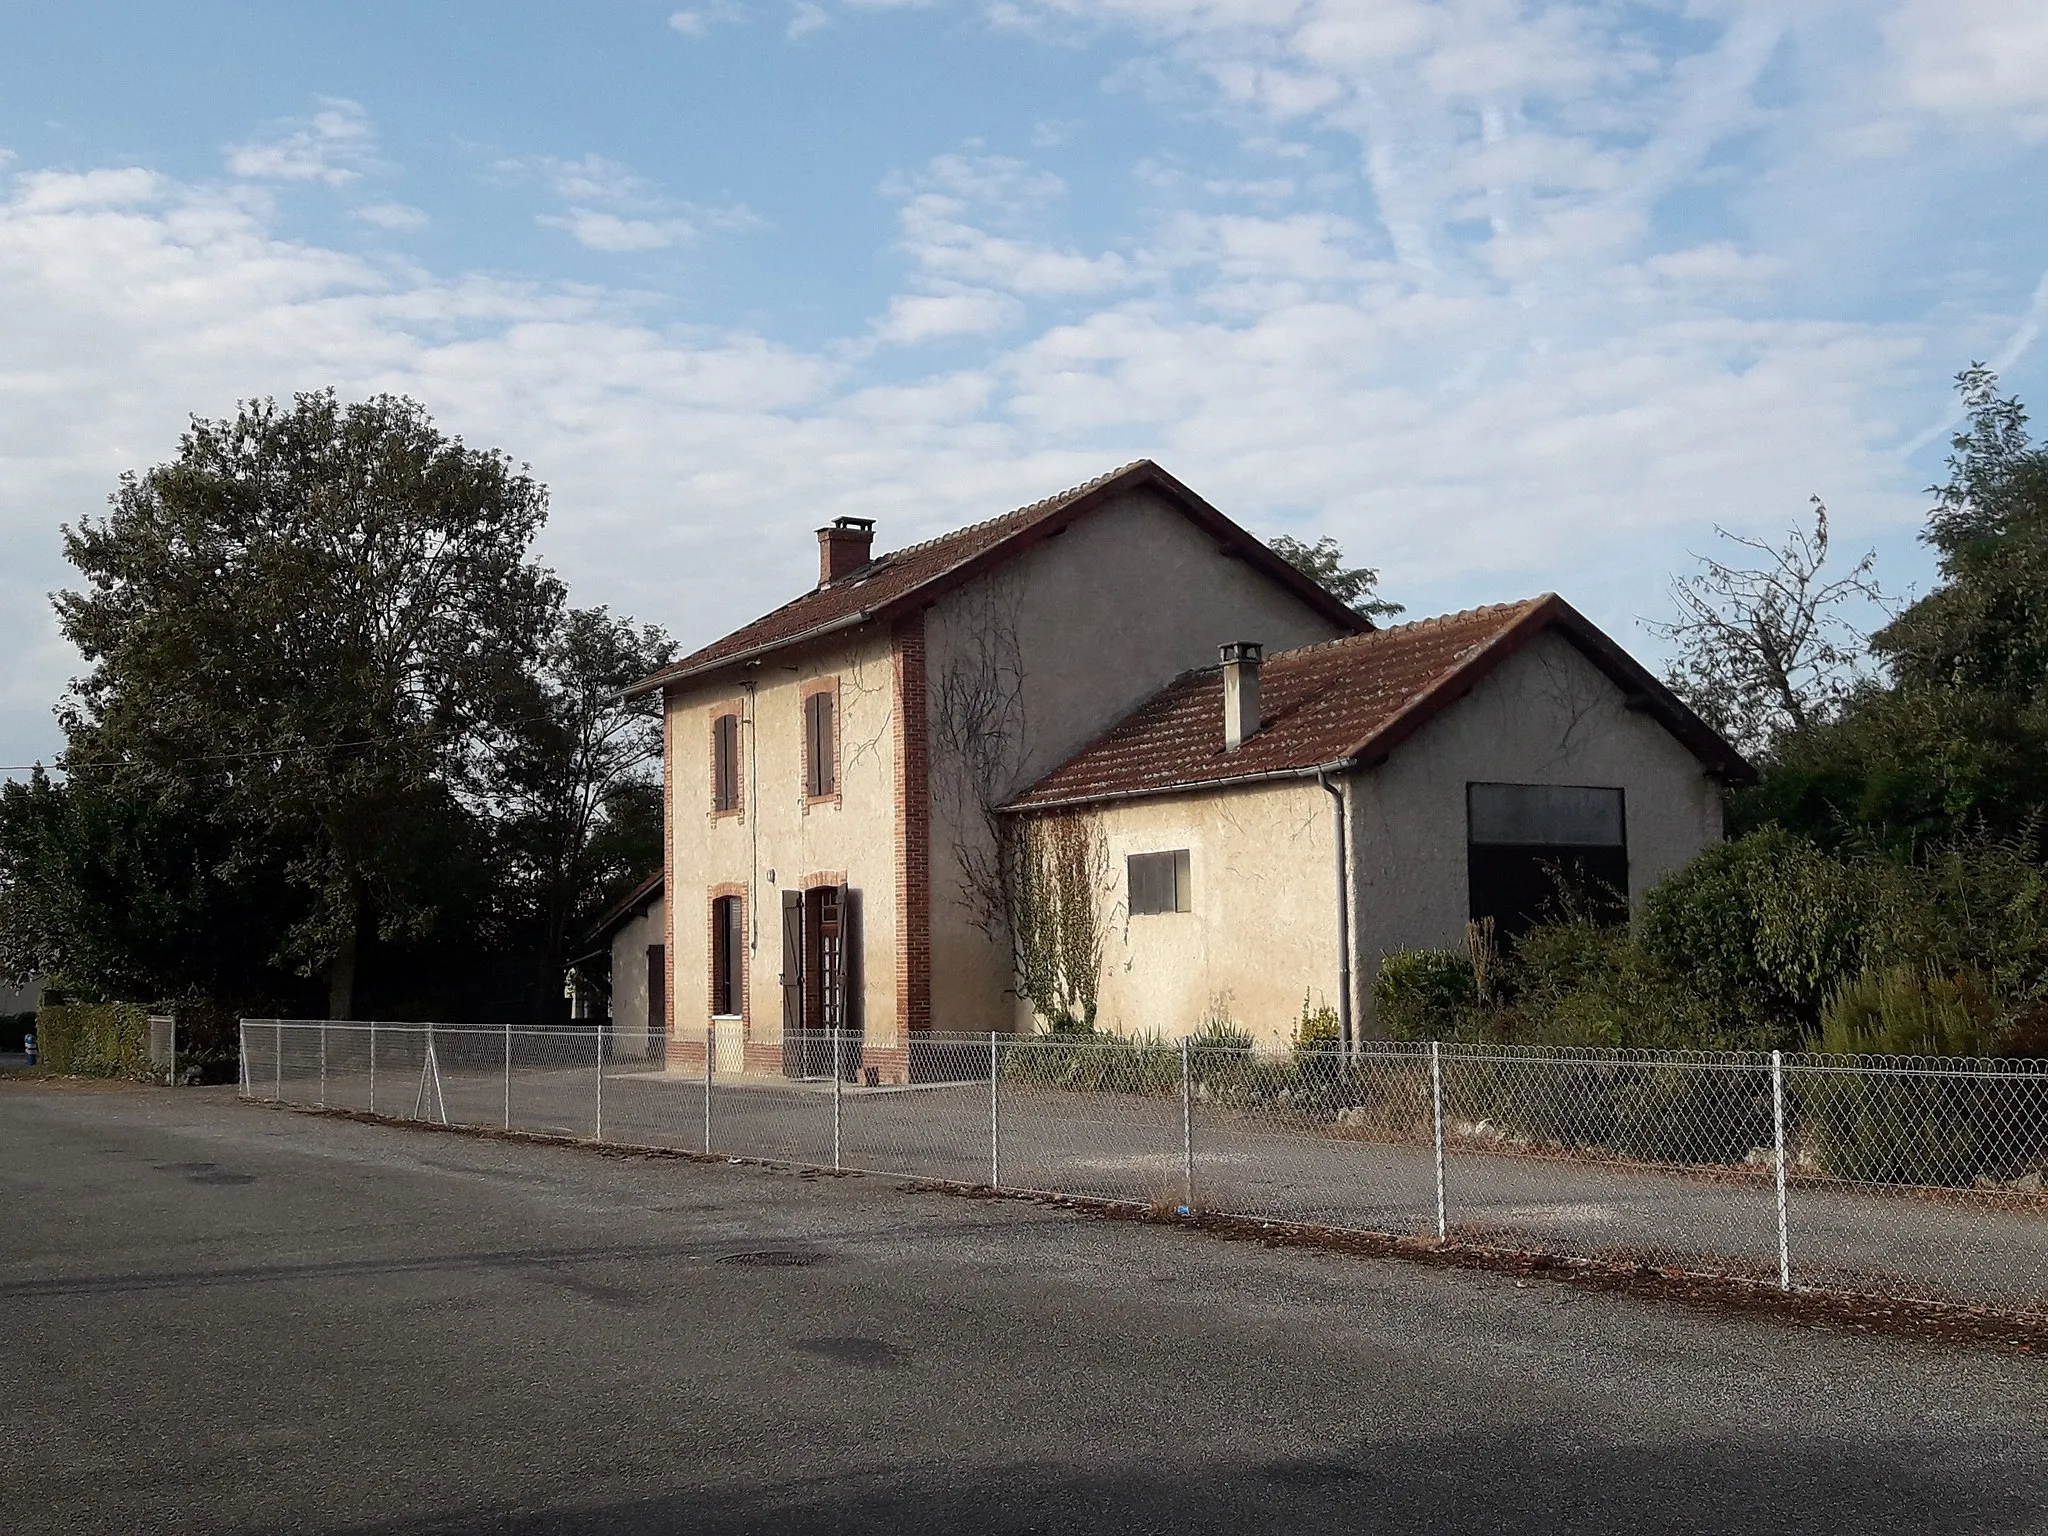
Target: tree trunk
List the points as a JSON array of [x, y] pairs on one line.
[[341, 972]]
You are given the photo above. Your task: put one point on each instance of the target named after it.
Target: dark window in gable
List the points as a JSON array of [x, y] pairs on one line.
[[725, 763], [821, 745], [1159, 882], [1536, 849]]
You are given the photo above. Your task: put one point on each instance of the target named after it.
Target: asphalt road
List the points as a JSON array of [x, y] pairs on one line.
[[222, 1317]]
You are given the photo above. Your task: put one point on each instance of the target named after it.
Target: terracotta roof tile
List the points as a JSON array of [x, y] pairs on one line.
[[902, 575], [882, 581], [1342, 700]]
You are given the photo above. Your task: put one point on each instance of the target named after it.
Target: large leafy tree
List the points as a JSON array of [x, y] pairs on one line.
[[1356, 586], [571, 782], [1955, 738], [310, 622]]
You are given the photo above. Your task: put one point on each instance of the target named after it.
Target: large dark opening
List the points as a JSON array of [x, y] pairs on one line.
[[1538, 851]]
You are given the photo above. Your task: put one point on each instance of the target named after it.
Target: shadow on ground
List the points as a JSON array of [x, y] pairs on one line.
[[1464, 1483]]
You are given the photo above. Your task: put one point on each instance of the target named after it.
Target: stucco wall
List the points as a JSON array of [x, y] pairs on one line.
[[1087, 625], [1262, 929], [629, 978], [1546, 716], [779, 838]]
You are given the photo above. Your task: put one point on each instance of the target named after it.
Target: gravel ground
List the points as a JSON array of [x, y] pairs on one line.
[[226, 1318]]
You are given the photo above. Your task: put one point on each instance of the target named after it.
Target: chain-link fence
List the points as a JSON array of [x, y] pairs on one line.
[[1909, 1178]]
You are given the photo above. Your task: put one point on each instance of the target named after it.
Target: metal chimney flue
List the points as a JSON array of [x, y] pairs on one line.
[[844, 547], [1241, 660]]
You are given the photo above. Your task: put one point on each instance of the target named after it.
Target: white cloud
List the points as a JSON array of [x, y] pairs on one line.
[[615, 210], [1984, 61], [608, 232], [592, 179], [805, 17], [335, 146], [55, 191], [922, 317], [1478, 350], [398, 217]]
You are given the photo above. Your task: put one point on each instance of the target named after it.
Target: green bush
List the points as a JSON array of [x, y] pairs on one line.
[[1426, 994], [1766, 926], [94, 1039], [1897, 1011], [1094, 1063]]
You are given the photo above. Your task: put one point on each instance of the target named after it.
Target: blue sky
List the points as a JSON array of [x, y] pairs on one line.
[[1506, 295]]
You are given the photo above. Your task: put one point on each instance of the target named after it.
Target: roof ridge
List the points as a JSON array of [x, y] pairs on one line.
[[1415, 626], [1043, 504]]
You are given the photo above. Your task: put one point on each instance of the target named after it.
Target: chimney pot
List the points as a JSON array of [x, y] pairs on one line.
[[1241, 661], [844, 547]]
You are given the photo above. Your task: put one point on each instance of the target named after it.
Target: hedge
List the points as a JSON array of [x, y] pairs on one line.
[[94, 1039]]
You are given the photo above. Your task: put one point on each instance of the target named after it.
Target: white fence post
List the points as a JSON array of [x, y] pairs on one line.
[[710, 1050], [508, 1076], [373, 1066], [995, 1117], [277, 1061], [597, 1034], [1436, 1099], [248, 1089], [323, 1063], [1187, 1127], [837, 1073], [174, 1052], [1778, 1159]]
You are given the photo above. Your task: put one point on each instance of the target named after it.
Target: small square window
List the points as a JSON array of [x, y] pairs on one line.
[[1159, 882]]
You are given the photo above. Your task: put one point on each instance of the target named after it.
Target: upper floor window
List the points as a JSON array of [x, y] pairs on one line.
[[821, 744], [725, 763], [1159, 882]]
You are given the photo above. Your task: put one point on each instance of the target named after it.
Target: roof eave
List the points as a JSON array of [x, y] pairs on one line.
[[683, 673], [1184, 787]]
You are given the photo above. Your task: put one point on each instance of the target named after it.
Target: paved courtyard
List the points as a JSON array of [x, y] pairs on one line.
[[222, 1317]]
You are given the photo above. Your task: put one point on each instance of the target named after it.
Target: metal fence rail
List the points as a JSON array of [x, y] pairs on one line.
[[1899, 1177]]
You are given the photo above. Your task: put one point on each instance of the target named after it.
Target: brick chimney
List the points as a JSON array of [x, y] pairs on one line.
[[1241, 660], [844, 547]]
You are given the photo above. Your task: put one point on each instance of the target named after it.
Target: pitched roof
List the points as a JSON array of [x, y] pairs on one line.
[[628, 907], [907, 578], [1346, 703]]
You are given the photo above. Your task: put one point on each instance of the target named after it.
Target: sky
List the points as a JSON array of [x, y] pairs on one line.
[[1506, 296]]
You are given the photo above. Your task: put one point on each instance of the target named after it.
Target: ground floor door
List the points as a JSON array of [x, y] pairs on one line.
[[818, 994]]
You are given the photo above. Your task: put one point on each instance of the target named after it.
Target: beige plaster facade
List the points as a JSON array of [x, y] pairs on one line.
[[1067, 638], [1260, 932], [1546, 715], [781, 838], [630, 1033], [998, 659]]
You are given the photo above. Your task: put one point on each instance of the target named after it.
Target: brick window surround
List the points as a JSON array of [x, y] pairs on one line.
[[712, 938], [738, 768], [816, 686]]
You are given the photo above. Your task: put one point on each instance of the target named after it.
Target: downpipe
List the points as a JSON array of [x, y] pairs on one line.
[[1340, 829]]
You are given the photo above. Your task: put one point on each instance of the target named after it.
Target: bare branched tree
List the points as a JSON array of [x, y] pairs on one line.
[[1766, 649], [977, 725]]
